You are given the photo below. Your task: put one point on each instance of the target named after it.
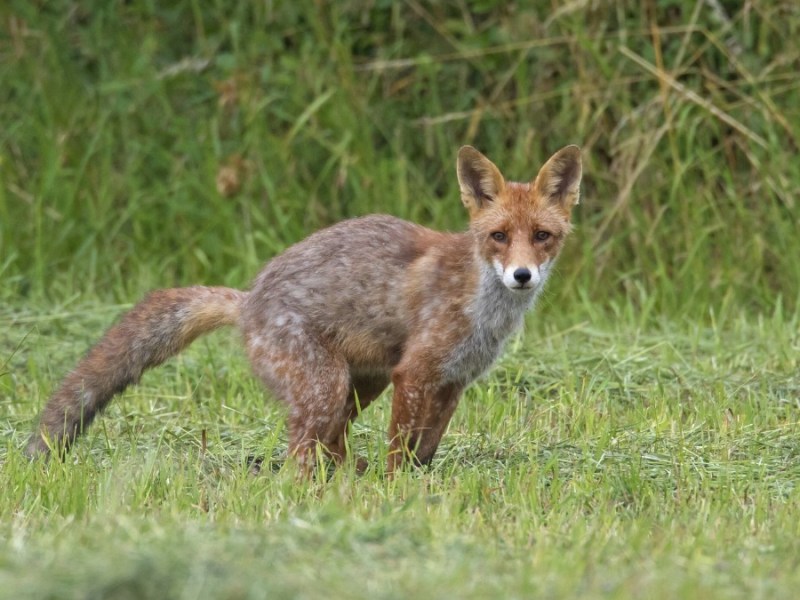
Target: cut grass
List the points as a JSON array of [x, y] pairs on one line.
[[594, 461]]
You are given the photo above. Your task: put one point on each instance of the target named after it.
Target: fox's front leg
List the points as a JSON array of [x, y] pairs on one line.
[[421, 410], [440, 410]]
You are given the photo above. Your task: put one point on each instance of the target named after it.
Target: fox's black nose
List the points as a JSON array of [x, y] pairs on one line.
[[522, 275]]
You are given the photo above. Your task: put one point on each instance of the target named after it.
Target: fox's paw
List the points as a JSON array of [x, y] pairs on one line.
[[361, 464]]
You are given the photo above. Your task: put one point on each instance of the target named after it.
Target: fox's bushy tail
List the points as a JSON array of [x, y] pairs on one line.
[[159, 327]]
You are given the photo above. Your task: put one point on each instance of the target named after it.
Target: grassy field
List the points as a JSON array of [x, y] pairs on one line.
[[640, 440]]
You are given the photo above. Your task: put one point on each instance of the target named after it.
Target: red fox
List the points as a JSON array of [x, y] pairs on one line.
[[369, 301]]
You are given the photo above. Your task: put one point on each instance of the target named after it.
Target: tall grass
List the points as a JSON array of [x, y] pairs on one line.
[[147, 145]]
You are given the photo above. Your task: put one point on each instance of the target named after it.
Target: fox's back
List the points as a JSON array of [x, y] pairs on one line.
[[345, 285]]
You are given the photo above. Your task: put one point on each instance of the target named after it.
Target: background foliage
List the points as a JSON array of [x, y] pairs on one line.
[[123, 120]]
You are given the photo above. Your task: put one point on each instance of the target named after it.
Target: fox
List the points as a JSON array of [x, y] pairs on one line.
[[336, 318]]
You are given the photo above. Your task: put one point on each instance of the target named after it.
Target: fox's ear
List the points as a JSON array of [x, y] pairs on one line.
[[480, 181], [559, 180]]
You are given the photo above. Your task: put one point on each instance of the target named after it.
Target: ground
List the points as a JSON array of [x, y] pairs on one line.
[[596, 460]]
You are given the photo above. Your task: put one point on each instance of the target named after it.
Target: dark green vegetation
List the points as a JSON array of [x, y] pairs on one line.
[[640, 440]]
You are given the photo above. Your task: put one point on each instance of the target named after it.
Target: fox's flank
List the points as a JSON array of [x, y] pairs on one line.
[[389, 302]]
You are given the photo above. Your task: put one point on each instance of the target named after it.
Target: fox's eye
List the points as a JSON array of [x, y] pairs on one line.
[[541, 236], [499, 236]]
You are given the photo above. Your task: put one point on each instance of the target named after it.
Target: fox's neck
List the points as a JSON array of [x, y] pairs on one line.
[[494, 312], [495, 309]]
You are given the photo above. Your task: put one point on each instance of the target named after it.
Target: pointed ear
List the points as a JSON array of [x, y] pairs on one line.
[[480, 181], [559, 180]]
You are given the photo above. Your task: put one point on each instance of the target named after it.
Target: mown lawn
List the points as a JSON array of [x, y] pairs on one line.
[[597, 460]]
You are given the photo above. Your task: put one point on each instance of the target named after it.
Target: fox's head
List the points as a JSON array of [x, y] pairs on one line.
[[520, 227]]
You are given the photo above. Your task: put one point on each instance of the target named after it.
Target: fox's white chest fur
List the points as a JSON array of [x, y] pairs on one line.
[[495, 313]]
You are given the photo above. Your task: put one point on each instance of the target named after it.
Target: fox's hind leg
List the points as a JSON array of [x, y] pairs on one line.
[[363, 390], [315, 385]]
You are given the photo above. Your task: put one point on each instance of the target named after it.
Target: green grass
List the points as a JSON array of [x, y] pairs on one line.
[[119, 118], [598, 462], [641, 440]]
